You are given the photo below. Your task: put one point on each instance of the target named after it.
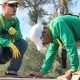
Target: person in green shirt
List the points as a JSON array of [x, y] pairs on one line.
[[12, 44], [64, 29]]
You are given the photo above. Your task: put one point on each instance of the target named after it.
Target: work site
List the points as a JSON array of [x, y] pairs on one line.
[[39, 40]]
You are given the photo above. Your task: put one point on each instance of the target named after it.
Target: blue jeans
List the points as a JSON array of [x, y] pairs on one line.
[[6, 53]]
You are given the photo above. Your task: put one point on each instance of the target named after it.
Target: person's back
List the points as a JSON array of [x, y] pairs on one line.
[[73, 23]]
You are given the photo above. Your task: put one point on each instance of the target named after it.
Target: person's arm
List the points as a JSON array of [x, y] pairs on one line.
[[3, 41], [17, 27], [50, 55], [68, 40]]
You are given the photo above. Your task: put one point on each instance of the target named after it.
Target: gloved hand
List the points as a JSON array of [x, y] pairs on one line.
[[12, 31], [15, 51]]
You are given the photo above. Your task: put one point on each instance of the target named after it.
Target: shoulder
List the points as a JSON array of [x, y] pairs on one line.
[[1, 15], [15, 18], [59, 19], [54, 21]]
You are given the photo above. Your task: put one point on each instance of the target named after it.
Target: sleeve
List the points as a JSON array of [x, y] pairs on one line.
[[69, 42], [17, 27], [50, 55], [4, 42]]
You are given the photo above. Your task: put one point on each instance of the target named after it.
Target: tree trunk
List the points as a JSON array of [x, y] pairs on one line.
[[64, 7]]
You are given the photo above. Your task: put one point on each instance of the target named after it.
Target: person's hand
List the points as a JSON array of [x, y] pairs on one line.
[[36, 75], [68, 74], [15, 51], [12, 31]]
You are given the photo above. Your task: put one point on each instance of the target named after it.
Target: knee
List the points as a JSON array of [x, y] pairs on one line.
[[25, 44], [21, 45]]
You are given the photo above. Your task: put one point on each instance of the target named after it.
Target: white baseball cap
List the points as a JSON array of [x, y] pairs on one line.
[[35, 34], [8, 1]]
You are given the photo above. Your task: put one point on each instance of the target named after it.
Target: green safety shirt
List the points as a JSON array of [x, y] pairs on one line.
[[6, 37], [67, 29]]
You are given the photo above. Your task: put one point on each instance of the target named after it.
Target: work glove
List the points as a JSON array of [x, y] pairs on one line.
[[15, 51], [12, 31]]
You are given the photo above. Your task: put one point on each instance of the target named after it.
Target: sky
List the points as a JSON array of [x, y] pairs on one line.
[[24, 22], [23, 17], [76, 8]]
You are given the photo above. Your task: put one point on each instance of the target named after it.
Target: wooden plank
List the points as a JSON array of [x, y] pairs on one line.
[[74, 77], [10, 78]]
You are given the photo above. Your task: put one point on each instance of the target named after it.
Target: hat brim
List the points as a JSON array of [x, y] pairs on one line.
[[35, 35], [10, 2]]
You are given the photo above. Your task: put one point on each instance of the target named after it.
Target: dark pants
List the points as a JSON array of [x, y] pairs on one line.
[[6, 55], [64, 58]]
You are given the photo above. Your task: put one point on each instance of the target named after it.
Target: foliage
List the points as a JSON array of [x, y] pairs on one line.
[[35, 9], [32, 59], [35, 14], [32, 3]]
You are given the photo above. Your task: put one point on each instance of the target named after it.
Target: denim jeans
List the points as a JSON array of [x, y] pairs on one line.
[[6, 53]]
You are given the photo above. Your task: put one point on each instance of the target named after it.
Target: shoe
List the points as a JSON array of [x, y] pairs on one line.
[[11, 74]]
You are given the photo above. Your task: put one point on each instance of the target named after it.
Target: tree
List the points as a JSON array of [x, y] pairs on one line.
[[32, 60], [36, 11], [64, 6]]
